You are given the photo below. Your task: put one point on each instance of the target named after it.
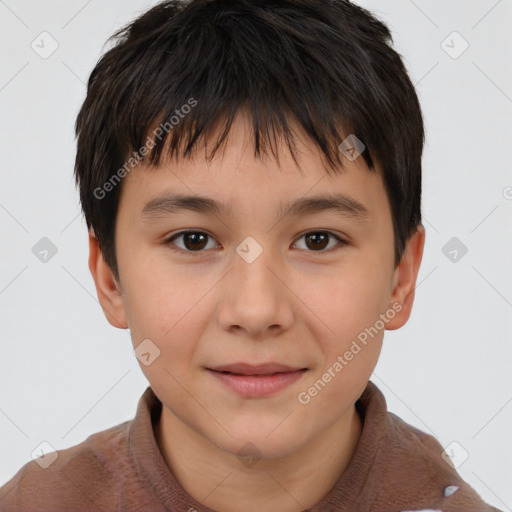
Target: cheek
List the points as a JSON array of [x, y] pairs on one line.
[[165, 306], [349, 334], [347, 300]]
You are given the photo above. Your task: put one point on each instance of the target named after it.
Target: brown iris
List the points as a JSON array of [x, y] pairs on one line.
[[317, 240]]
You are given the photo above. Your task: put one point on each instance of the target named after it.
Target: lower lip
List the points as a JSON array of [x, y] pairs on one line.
[[252, 386]]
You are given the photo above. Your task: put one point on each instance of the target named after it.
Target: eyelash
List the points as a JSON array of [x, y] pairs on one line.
[[169, 241]]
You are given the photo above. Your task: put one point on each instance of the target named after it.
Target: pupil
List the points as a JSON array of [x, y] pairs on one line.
[[316, 238], [195, 238]]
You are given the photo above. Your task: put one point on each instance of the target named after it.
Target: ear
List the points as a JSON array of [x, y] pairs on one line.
[[108, 290], [404, 279]]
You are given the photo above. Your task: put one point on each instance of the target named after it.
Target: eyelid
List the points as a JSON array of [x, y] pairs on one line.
[[168, 241], [340, 238]]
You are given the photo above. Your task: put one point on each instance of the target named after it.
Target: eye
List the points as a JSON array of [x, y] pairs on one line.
[[319, 240], [194, 241]]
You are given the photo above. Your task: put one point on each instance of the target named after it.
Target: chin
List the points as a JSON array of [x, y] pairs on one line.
[[251, 444]]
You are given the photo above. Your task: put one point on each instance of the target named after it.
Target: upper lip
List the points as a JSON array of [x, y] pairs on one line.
[[259, 369]]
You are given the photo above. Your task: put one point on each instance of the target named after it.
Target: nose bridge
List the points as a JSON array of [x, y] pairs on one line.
[[255, 264], [256, 298]]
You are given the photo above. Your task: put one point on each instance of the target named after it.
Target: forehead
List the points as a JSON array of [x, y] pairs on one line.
[[236, 177]]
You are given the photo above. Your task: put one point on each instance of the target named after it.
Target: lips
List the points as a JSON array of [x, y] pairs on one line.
[[256, 381], [260, 369]]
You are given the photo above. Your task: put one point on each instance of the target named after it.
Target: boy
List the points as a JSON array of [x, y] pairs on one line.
[[259, 341]]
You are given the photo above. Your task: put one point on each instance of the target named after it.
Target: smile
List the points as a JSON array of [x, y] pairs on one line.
[[257, 385]]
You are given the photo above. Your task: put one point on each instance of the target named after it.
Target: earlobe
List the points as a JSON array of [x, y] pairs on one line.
[[404, 279], [107, 288]]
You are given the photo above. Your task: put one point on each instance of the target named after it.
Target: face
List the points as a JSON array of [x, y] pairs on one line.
[[257, 284]]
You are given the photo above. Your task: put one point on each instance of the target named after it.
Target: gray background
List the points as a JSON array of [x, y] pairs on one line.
[[66, 373]]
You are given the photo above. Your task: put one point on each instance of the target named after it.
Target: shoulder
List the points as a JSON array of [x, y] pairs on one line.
[[77, 478], [426, 471]]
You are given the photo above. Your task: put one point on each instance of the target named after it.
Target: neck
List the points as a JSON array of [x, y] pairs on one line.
[[218, 479]]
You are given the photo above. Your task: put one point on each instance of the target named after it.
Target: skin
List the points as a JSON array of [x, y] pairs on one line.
[[295, 304]]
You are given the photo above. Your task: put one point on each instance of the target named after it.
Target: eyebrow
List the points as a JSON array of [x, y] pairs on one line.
[[175, 203]]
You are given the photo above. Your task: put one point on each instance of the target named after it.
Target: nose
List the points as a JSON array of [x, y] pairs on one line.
[[255, 296]]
